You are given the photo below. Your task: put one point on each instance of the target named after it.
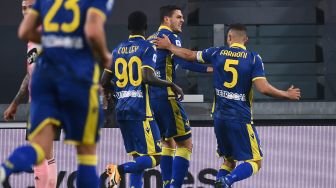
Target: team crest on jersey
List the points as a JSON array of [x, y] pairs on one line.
[[109, 4], [154, 58], [178, 43]]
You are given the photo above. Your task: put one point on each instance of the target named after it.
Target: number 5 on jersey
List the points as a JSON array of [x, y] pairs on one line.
[[229, 68]]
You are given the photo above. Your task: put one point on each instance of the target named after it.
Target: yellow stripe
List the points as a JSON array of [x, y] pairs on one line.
[[229, 169], [89, 136], [108, 70], [134, 36], [178, 117], [168, 151], [254, 166], [90, 160], [254, 143], [47, 121], [33, 11], [98, 11], [153, 161], [238, 45], [183, 152], [213, 105], [148, 108], [256, 78], [8, 164], [251, 103], [39, 152], [169, 74], [149, 137], [147, 66], [165, 27]]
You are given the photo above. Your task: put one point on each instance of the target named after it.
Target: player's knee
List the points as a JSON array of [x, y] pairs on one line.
[[185, 144], [256, 165], [169, 143], [229, 163], [86, 149]]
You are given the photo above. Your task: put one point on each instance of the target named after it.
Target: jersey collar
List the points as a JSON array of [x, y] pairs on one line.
[[238, 45], [136, 37], [165, 27]]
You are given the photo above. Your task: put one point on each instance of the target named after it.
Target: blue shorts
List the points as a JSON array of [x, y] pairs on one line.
[[171, 118], [140, 137], [61, 99], [237, 140]]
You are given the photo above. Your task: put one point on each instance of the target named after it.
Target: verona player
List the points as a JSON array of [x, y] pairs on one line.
[[168, 112], [64, 87], [132, 71], [235, 71], [45, 174]]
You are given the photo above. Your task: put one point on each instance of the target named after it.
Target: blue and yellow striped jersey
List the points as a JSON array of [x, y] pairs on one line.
[[235, 69], [63, 38], [132, 94], [167, 63]]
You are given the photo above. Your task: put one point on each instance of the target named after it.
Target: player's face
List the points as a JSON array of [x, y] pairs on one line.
[[26, 5], [176, 21]]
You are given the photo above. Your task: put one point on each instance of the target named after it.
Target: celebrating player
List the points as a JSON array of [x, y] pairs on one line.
[[168, 112], [235, 71], [132, 71], [64, 88]]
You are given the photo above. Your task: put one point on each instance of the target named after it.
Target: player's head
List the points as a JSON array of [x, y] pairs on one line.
[[172, 17], [137, 23], [237, 33], [26, 5]]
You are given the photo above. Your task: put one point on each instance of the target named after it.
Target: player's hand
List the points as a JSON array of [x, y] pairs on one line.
[[10, 112], [293, 93], [178, 92], [162, 43], [209, 69]]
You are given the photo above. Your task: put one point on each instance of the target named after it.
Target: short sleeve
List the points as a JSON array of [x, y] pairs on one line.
[[149, 58], [176, 40], [258, 68], [102, 7], [206, 55], [36, 9]]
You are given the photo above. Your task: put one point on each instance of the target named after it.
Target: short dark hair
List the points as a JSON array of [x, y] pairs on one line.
[[168, 11], [137, 22], [237, 27]]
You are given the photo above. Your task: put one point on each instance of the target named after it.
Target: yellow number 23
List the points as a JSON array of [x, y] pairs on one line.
[[70, 5]]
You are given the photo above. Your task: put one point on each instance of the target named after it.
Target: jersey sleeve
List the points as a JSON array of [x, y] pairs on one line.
[[205, 56], [258, 68], [149, 57], [192, 66], [175, 39], [102, 7], [36, 9]]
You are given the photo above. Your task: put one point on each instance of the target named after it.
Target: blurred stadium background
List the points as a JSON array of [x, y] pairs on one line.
[[297, 40]]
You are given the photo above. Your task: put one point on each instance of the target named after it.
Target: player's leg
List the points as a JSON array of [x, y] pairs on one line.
[[246, 148], [87, 176], [226, 168], [24, 157], [166, 164], [164, 117], [142, 140]]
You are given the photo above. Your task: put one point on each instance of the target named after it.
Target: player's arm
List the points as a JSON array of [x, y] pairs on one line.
[[22, 93], [95, 35], [266, 88], [28, 29], [149, 77], [192, 66], [164, 43]]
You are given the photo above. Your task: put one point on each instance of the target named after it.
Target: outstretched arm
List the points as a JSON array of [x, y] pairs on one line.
[[10, 112], [28, 29], [149, 77], [266, 88], [164, 43]]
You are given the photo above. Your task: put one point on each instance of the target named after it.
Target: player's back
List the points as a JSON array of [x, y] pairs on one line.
[[234, 70], [63, 39], [131, 93]]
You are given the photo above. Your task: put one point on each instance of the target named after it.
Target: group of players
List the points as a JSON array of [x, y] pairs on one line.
[[141, 73]]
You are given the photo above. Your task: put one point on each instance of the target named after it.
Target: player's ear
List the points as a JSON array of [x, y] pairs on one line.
[[246, 39]]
